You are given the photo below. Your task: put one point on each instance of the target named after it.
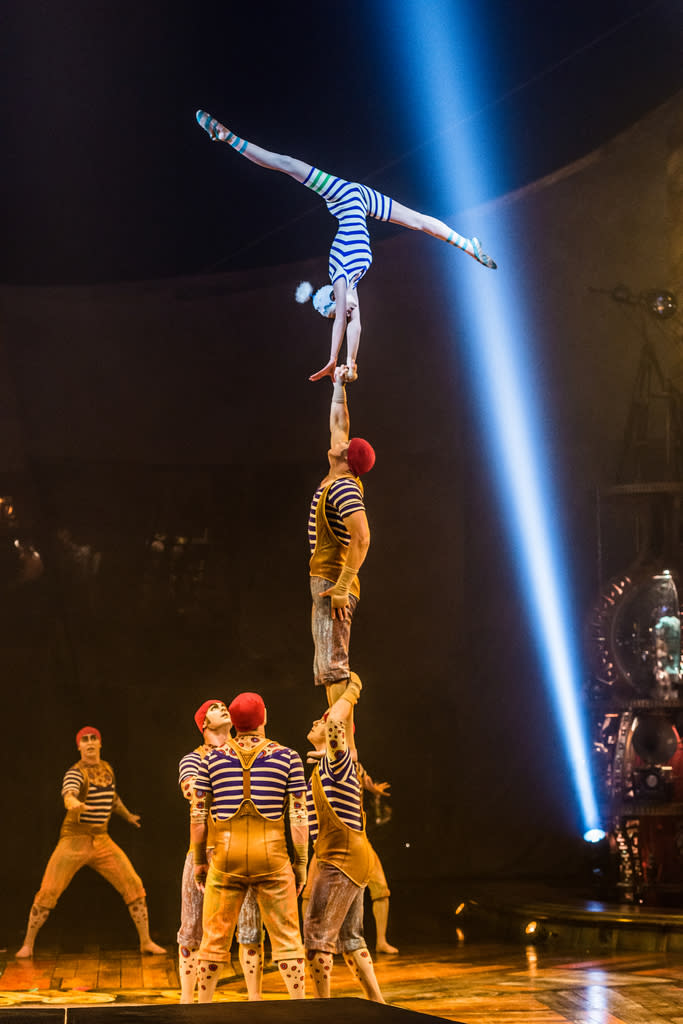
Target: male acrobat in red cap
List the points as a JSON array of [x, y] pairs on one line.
[[339, 538], [244, 790], [213, 721], [90, 797]]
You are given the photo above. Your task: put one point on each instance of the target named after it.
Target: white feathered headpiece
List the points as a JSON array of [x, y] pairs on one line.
[[323, 299]]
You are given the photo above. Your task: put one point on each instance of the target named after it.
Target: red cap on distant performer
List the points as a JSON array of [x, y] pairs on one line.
[[88, 730], [360, 456], [247, 712], [200, 713]]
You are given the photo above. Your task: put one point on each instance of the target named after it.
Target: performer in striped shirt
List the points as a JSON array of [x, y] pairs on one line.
[[350, 255], [339, 538], [245, 789], [344, 856], [90, 797], [213, 721]]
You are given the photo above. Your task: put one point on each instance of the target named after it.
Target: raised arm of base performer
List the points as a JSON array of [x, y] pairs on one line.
[[340, 423], [339, 721]]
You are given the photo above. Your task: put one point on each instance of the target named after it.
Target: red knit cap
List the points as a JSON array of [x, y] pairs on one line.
[[88, 730], [360, 456], [200, 713], [247, 712]]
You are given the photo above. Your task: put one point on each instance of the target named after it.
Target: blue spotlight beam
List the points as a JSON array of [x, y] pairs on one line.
[[442, 56]]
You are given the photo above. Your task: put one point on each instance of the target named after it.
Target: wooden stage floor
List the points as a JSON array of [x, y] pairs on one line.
[[472, 983]]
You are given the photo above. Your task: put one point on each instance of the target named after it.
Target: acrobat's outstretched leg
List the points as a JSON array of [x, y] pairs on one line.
[[297, 169], [421, 222]]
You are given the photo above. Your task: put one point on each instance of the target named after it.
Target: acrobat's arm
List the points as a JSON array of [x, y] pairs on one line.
[[339, 722], [340, 423], [408, 218]]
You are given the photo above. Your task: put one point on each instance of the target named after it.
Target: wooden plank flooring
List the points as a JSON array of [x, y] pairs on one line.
[[475, 984]]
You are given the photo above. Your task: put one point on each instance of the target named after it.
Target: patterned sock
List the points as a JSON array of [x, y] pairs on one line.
[[320, 968], [187, 969], [472, 246], [219, 133], [292, 973], [208, 974], [461, 242], [251, 961]]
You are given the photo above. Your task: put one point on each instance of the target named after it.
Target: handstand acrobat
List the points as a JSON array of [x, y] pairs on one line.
[[350, 254]]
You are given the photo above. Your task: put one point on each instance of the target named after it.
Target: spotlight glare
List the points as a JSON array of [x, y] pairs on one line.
[[594, 835], [442, 50]]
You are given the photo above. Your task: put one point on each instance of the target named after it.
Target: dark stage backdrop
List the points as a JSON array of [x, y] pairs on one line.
[[161, 442]]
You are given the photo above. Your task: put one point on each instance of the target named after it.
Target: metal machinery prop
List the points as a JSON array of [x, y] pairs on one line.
[[635, 689]]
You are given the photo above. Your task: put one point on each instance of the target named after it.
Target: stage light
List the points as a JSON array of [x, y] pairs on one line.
[[594, 835], [442, 50], [461, 907], [661, 303], [535, 932]]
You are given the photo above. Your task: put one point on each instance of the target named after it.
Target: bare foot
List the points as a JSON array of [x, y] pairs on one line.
[[24, 953], [350, 372], [152, 949], [327, 371], [384, 947]]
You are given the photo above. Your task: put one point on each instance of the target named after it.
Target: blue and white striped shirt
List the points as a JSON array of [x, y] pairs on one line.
[[276, 772], [342, 789], [189, 766], [343, 498], [98, 804], [351, 203]]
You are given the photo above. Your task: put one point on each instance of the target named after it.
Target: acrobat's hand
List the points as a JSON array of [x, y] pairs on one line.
[[313, 756], [327, 371], [339, 603], [134, 819], [200, 872], [481, 257]]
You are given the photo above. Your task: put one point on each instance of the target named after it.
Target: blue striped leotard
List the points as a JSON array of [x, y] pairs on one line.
[[351, 204]]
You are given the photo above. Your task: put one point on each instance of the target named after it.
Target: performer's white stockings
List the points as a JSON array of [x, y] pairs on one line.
[[138, 911], [208, 973], [320, 972], [36, 919], [360, 964], [292, 973], [187, 970], [251, 960]]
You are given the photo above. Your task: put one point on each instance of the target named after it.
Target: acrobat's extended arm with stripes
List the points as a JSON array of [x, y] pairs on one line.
[[350, 255]]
